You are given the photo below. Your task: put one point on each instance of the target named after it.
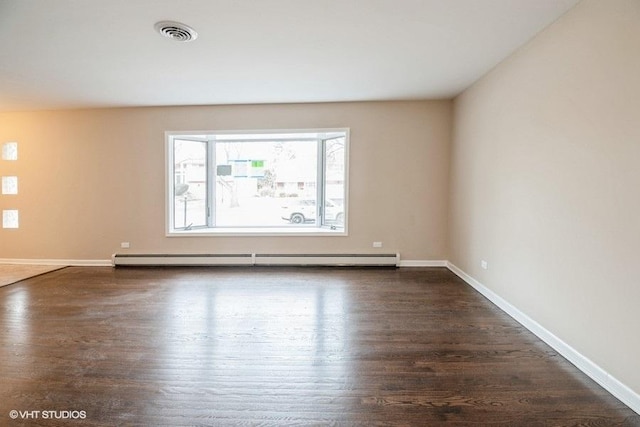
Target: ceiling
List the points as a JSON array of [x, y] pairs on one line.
[[106, 53]]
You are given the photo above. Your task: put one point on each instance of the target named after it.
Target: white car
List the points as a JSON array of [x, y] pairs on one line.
[[300, 211]]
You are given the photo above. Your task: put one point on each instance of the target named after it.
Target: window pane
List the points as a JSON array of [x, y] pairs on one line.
[[10, 151], [240, 181], [334, 188], [258, 183], [9, 185], [10, 219], [190, 184]]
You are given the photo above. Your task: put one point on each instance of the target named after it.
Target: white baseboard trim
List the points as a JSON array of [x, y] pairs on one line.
[[60, 262], [422, 263], [625, 394]]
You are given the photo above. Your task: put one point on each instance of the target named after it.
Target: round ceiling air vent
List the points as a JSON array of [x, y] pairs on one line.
[[176, 31]]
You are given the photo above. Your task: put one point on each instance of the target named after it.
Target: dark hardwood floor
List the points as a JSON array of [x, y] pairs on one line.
[[279, 346]]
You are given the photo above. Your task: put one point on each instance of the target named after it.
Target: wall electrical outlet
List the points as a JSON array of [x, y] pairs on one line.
[[125, 245], [484, 264], [377, 244]]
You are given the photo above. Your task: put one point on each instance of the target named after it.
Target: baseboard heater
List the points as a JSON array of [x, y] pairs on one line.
[[153, 260], [374, 260], [371, 260]]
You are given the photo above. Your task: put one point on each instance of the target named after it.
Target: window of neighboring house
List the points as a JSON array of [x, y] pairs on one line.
[[289, 182]]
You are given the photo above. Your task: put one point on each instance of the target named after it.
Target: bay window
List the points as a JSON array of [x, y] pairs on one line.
[[266, 182]]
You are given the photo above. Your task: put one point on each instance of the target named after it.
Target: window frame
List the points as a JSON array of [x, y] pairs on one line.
[[316, 229]]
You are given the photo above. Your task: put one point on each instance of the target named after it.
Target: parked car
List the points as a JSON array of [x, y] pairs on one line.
[[300, 211]]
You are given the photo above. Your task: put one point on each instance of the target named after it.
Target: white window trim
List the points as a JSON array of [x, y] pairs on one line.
[[306, 230]]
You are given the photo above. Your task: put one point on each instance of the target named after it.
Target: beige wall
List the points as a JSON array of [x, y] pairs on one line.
[[545, 182], [91, 179]]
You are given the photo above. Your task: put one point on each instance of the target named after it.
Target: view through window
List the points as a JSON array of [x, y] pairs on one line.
[[248, 181]]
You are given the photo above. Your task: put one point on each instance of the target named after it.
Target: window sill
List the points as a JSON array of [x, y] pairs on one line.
[[258, 232]]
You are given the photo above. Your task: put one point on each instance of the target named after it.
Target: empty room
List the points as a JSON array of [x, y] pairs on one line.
[[333, 212]]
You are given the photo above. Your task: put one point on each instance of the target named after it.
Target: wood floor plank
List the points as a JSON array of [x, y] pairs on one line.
[[280, 346]]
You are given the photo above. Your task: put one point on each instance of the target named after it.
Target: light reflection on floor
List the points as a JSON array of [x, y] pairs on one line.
[[280, 334], [15, 313]]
